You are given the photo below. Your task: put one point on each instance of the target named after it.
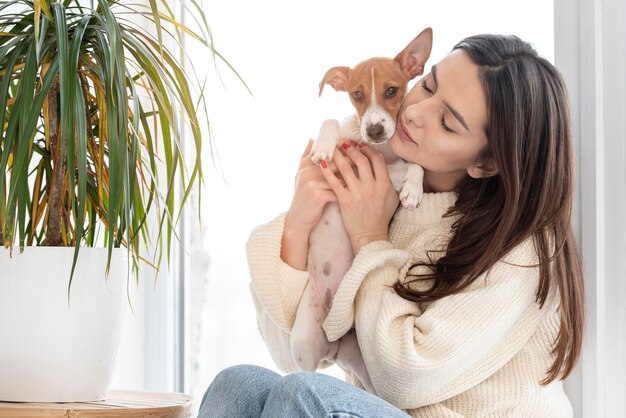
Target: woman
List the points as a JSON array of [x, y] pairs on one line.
[[471, 305]]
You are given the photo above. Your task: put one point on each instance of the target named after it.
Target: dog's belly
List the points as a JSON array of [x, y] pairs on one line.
[[329, 258], [330, 253]]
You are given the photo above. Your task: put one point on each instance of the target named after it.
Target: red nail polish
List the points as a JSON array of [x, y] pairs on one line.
[[323, 164], [345, 145]]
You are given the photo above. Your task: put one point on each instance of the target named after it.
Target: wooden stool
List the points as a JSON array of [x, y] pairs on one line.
[[122, 404]]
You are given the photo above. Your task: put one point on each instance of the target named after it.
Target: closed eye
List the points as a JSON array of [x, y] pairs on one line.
[[445, 127], [425, 86], [442, 120]]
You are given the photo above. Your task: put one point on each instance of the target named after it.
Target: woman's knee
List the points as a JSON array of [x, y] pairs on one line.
[[299, 380], [310, 387], [236, 389], [233, 376], [295, 394]]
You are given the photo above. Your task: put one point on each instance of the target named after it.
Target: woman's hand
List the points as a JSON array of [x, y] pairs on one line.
[[312, 192], [366, 196]]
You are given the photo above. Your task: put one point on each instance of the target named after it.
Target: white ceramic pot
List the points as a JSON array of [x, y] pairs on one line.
[[49, 351]]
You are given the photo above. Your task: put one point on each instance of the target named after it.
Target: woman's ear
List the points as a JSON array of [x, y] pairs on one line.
[[483, 169]]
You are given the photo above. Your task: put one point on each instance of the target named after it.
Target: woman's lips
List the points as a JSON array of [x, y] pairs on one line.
[[402, 132]]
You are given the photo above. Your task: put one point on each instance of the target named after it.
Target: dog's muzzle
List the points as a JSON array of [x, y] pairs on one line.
[[376, 133]]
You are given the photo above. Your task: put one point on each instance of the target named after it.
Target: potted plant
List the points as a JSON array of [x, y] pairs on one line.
[[89, 153]]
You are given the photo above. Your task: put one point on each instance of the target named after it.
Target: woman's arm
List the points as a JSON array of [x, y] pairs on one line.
[[311, 194], [420, 356]]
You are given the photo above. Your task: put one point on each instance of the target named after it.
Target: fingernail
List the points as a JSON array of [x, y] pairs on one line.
[[354, 143], [362, 144], [323, 164], [345, 145]]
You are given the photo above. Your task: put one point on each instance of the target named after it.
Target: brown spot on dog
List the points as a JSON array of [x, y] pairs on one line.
[[327, 268], [328, 299]]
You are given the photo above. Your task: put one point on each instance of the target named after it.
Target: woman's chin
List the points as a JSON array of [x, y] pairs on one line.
[[399, 146]]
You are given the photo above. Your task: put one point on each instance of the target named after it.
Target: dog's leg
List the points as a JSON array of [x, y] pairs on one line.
[[350, 359], [413, 188], [397, 173], [408, 179], [351, 128], [308, 340], [324, 146], [330, 257]]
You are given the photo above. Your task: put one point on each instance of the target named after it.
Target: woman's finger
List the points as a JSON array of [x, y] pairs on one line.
[[361, 162], [333, 181], [344, 165], [377, 162], [307, 151]]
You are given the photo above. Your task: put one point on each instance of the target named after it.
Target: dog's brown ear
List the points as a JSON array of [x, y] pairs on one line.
[[337, 77], [413, 58]]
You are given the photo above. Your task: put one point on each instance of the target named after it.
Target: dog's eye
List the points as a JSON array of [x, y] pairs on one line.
[[391, 91], [357, 95]]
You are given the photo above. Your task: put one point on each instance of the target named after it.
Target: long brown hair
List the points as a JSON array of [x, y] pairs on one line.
[[529, 140]]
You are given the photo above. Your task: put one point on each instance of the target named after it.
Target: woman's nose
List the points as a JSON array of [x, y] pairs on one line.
[[415, 114]]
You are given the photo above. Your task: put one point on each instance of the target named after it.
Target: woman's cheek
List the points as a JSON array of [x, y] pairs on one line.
[[398, 147]]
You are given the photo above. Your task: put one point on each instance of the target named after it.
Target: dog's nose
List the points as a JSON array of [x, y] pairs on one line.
[[375, 131]]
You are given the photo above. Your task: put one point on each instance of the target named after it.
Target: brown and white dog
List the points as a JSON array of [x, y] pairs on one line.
[[376, 88]]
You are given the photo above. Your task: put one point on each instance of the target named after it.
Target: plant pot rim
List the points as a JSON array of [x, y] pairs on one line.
[[38, 248]]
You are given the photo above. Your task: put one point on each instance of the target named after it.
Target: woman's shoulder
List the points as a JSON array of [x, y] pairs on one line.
[[431, 210], [523, 254], [520, 264]]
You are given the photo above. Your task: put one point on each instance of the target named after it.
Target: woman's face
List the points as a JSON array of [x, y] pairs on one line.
[[442, 124]]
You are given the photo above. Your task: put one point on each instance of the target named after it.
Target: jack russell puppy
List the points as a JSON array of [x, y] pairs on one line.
[[376, 88]]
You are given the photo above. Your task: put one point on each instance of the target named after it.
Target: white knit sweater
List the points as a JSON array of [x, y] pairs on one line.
[[478, 353]]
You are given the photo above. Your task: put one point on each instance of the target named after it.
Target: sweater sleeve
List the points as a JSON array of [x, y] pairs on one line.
[[276, 289], [421, 354]]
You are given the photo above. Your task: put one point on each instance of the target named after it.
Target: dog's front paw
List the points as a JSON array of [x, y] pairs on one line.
[[413, 187], [411, 195], [324, 146], [320, 153]]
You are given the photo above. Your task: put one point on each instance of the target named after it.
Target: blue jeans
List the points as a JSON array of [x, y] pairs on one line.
[[250, 391]]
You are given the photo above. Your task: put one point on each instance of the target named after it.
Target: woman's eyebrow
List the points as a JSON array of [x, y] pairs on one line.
[[454, 112]]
